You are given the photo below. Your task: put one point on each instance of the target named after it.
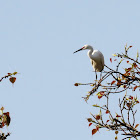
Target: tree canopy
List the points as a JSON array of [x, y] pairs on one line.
[[124, 79]]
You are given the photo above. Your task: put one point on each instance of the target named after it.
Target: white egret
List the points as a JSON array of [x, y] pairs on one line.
[[96, 57]]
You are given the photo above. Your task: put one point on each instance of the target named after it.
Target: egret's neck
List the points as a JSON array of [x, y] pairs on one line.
[[90, 53]]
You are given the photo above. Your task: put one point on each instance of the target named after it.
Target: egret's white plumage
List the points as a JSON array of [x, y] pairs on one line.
[[96, 57]]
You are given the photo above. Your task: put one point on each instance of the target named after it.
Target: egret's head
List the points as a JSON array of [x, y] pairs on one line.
[[87, 47], [84, 48]]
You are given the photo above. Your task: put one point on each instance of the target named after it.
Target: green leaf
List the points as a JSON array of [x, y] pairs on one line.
[[137, 56], [100, 113], [114, 54], [95, 105], [125, 48]]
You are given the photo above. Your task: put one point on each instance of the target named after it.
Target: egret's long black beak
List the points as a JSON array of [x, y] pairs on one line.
[[79, 50]]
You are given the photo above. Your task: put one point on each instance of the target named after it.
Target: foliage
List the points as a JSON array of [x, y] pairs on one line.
[[5, 118], [115, 81]]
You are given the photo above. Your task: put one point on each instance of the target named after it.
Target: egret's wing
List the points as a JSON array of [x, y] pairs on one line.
[[99, 55], [99, 60]]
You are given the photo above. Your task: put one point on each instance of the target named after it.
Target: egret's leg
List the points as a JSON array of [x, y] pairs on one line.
[[100, 75], [96, 75]]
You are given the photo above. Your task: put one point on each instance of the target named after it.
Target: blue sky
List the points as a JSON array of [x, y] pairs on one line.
[[37, 39]]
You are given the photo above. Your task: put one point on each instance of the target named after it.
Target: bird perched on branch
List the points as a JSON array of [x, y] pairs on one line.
[[96, 57]]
